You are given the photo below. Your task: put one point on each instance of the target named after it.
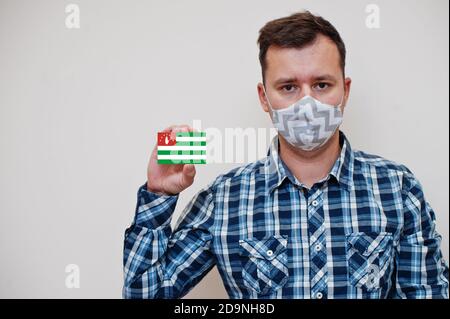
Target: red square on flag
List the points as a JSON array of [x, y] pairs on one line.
[[164, 139]]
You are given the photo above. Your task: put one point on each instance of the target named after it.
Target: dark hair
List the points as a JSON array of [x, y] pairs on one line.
[[297, 31]]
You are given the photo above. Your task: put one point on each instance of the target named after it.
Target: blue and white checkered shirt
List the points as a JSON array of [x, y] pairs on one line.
[[364, 231]]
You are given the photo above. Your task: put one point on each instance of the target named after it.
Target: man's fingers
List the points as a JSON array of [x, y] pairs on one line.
[[170, 128], [180, 128], [173, 129]]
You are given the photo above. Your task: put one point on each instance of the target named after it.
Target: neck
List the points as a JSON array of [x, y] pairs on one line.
[[310, 167]]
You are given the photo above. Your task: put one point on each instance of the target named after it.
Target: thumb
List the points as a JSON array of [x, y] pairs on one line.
[[189, 169], [188, 174]]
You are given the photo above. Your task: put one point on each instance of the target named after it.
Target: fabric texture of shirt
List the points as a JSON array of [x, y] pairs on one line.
[[364, 231]]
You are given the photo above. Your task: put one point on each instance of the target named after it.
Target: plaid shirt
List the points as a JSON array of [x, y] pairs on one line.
[[364, 231]]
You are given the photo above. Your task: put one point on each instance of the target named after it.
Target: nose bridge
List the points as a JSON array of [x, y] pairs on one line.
[[308, 111], [305, 89]]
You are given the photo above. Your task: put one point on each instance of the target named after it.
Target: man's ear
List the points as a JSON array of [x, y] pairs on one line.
[[347, 86], [262, 98]]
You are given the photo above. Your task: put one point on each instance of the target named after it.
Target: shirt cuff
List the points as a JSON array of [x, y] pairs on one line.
[[154, 210]]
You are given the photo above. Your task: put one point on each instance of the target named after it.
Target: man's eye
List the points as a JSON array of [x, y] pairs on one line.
[[322, 86], [288, 88]]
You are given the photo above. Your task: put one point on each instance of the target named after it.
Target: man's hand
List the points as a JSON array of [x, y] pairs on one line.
[[173, 178]]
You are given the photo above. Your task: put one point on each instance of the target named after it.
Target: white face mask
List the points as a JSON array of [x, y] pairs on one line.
[[308, 123]]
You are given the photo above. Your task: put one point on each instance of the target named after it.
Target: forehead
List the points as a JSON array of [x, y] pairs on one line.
[[321, 56]]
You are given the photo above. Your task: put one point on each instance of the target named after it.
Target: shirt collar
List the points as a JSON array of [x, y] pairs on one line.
[[277, 171]]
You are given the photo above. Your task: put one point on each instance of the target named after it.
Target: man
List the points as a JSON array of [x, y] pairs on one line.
[[314, 219]]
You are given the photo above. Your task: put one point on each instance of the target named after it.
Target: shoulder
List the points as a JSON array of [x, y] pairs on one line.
[[385, 167], [239, 174], [379, 162]]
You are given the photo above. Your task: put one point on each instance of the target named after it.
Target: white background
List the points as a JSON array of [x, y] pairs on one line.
[[80, 108]]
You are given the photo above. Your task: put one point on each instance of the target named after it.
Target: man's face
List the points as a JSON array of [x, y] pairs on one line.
[[313, 70]]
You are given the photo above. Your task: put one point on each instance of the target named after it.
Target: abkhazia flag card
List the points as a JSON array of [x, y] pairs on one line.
[[186, 148]]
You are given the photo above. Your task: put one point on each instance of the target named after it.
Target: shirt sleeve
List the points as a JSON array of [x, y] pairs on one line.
[[159, 263], [421, 271]]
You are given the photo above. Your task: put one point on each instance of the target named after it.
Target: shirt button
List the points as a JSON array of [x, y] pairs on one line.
[[269, 253], [319, 295], [315, 203], [318, 247], [373, 270]]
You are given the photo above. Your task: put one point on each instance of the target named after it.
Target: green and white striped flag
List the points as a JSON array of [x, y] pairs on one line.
[[187, 148]]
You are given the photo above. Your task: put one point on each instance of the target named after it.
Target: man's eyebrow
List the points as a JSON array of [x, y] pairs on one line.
[[325, 77], [284, 81], [322, 77]]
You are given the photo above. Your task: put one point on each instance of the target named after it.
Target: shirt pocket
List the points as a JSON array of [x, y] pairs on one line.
[[264, 263], [369, 258]]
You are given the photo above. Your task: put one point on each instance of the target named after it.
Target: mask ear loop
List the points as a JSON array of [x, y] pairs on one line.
[[340, 104], [267, 98], [342, 100]]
